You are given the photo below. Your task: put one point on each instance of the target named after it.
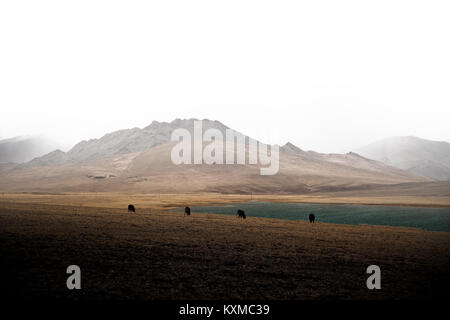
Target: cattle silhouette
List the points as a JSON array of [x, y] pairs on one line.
[[241, 214], [131, 208], [187, 211], [312, 218]]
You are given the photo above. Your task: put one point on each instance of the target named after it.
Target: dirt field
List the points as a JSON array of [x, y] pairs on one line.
[[157, 254]]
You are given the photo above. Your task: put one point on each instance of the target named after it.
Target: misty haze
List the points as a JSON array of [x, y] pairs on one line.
[[200, 152]]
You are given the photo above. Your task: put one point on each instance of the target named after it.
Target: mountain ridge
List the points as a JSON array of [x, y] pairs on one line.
[[417, 155], [138, 160], [22, 149], [121, 141]]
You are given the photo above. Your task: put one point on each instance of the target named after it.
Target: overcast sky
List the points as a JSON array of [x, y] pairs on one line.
[[328, 76]]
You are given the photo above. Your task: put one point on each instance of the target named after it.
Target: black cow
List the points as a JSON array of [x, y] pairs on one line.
[[187, 211], [241, 214], [131, 208], [312, 218]]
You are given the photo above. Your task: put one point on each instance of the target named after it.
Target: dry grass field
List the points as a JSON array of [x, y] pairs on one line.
[[159, 254], [383, 195]]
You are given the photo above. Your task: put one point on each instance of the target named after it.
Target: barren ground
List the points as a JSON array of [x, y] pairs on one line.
[[158, 254]]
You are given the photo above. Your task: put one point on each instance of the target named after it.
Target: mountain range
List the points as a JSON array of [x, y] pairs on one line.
[[23, 149], [138, 160], [416, 155]]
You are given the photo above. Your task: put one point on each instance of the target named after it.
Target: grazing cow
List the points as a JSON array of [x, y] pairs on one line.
[[187, 211], [241, 214], [131, 208], [312, 218]]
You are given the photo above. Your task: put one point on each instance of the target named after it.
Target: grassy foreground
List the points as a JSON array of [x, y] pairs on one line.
[[158, 254]]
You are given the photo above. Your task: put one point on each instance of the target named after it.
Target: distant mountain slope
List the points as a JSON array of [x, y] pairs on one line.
[[350, 159], [122, 142], [133, 140], [420, 156], [23, 149], [116, 163]]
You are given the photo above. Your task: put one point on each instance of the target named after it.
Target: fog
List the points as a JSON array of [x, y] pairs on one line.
[[328, 76]]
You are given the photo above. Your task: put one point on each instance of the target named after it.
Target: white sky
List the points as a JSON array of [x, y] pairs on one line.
[[326, 75]]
